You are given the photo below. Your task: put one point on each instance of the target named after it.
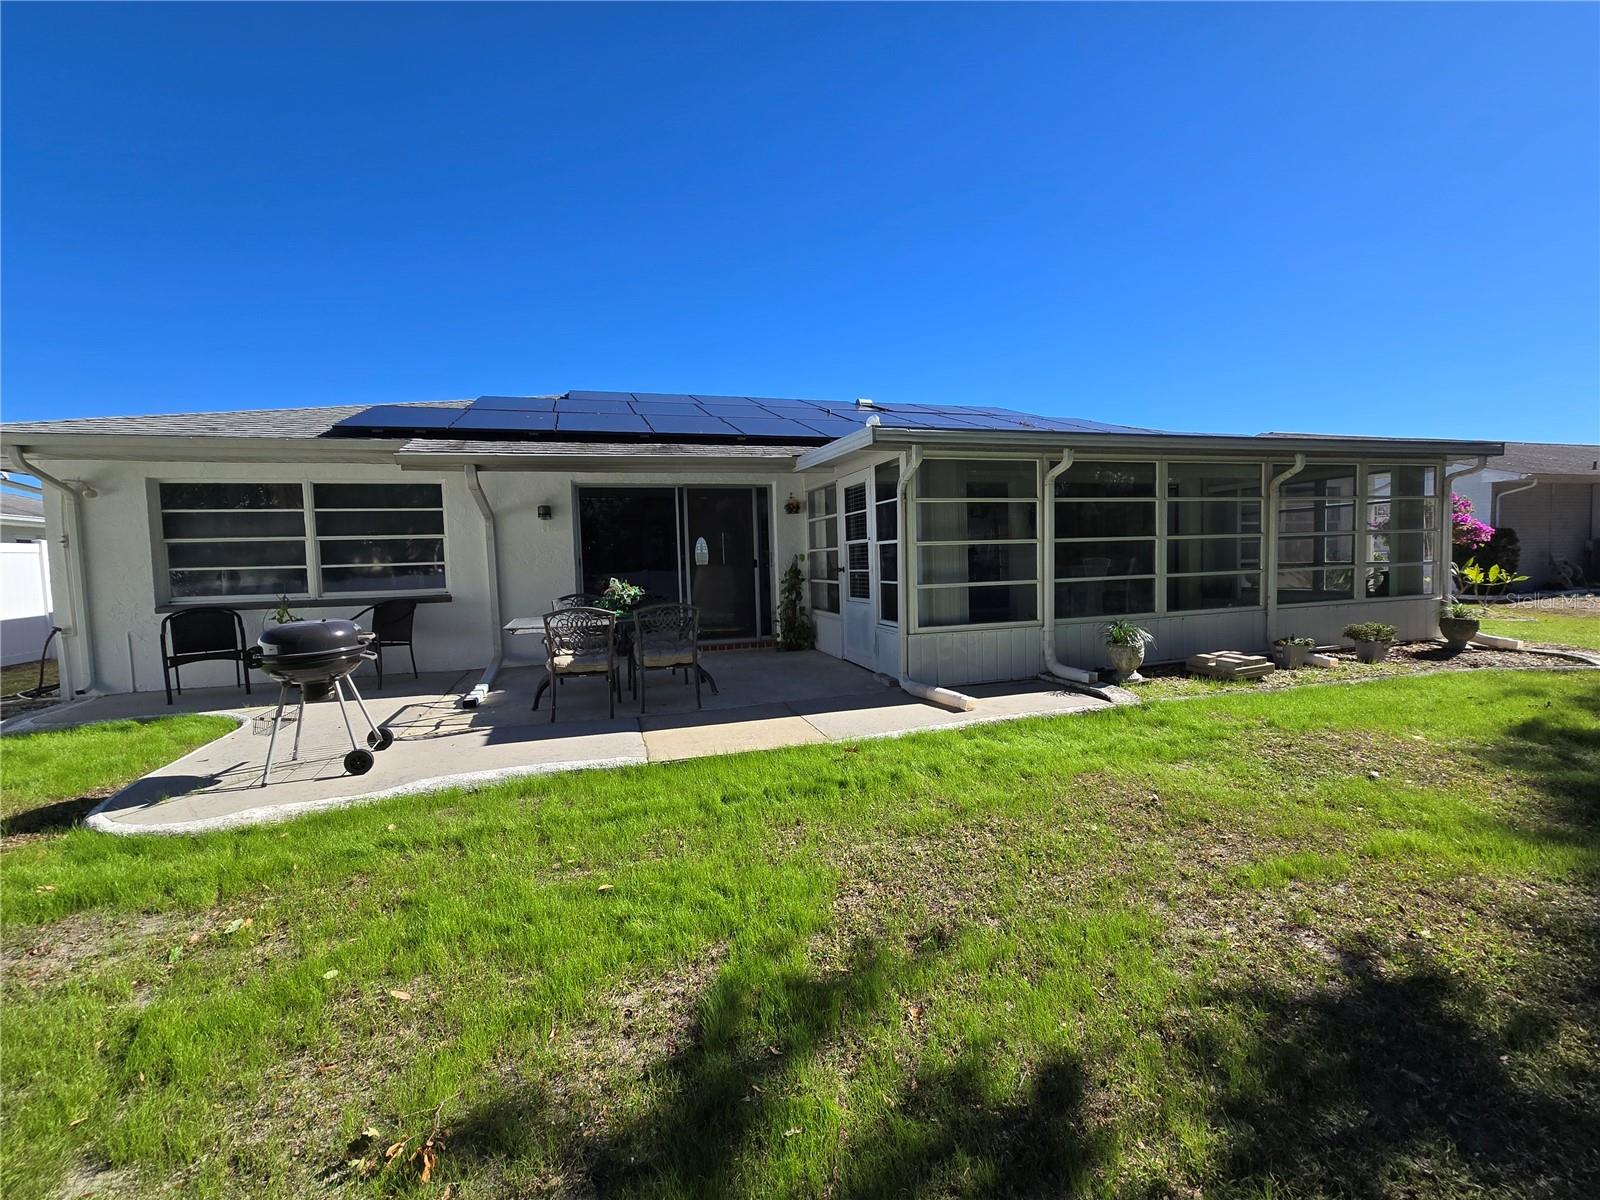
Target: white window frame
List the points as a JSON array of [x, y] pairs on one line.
[[892, 541], [309, 537], [1158, 515], [1356, 533], [1167, 538], [1365, 533], [913, 517], [814, 520]]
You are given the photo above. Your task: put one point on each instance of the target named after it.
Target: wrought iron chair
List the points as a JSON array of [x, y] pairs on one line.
[[392, 621], [666, 637], [199, 635], [575, 600], [580, 641]]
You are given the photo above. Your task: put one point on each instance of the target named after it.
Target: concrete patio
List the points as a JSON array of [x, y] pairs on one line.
[[766, 700]]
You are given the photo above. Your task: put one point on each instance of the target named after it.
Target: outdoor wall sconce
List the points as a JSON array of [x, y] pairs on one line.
[[792, 505], [544, 512]]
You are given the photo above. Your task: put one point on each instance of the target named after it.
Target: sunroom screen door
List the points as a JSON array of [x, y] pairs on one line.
[[856, 596]]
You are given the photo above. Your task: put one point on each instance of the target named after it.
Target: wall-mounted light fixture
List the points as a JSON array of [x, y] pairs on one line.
[[792, 505], [544, 512]]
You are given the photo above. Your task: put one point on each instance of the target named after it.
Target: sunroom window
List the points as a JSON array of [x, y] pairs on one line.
[[822, 548], [1316, 534], [977, 525], [1402, 531], [1213, 535], [1105, 551], [886, 483]]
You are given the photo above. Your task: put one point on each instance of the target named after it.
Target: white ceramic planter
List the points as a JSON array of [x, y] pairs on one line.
[[1125, 662]]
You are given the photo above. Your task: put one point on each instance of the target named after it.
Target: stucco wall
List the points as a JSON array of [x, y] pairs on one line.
[[537, 558], [1551, 520]]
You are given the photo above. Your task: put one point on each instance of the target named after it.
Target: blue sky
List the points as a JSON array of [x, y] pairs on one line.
[[1373, 219]]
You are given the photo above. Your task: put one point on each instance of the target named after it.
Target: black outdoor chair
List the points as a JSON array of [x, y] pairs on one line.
[[580, 641], [391, 621], [575, 600], [666, 637], [200, 635]]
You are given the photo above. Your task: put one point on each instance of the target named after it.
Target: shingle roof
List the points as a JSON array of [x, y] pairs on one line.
[[1549, 458], [249, 423], [12, 505]]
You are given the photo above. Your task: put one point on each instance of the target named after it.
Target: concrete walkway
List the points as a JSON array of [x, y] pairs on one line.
[[766, 700]]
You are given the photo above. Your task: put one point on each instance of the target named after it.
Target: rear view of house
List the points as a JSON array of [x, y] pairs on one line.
[[942, 545]]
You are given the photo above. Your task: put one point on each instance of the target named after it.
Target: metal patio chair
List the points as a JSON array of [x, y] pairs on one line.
[[392, 621], [200, 635], [666, 637], [580, 641], [575, 600]]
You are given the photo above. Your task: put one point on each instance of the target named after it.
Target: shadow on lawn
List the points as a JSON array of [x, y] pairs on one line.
[[732, 1090], [1397, 1081], [48, 818]]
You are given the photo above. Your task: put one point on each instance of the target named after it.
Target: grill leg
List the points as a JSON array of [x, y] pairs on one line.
[[362, 704], [338, 692], [299, 724], [272, 741]]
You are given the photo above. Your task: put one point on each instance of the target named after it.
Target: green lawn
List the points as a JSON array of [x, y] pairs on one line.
[[1333, 940], [1550, 626]]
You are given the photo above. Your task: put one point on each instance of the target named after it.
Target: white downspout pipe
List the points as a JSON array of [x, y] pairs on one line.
[[1054, 667], [946, 697], [1494, 509], [492, 552], [71, 538], [1446, 490], [1270, 572]]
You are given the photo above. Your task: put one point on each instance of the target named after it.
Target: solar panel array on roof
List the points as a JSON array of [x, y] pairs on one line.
[[654, 416]]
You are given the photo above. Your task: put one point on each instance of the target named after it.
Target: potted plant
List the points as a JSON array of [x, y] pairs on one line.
[[1290, 653], [1372, 639], [1458, 623], [796, 630], [621, 597], [1125, 647]]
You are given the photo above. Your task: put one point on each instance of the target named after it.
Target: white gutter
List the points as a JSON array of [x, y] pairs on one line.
[[71, 538], [1269, 575], [1047, 544], [1494, 510], [948, 698], [492, 550], [1446, 527]]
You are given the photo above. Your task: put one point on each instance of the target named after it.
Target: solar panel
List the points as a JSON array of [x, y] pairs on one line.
[[593, 406], [651, 407], [922, 420], [700, 424], [653, 398], [398, 418], [832, 426], [600, 422], [722, 408], [516, 403], [621, 396], [504, 420], [772, 427]]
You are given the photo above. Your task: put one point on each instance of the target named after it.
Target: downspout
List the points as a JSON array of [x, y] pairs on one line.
[[948, 698], [1270, 574], [1445, 524], [1047, 631], [71, 537], [1494, 509], [491, 549]]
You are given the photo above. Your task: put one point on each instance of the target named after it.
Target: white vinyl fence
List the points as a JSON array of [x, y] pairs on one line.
[[24, 601]]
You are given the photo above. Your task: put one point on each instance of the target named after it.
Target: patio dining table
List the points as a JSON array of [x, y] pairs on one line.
[[534, 626]]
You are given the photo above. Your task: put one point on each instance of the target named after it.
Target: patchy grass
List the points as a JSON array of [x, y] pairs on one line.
[[48, 780], [1325, 941], [1548, 623], [23, 677]]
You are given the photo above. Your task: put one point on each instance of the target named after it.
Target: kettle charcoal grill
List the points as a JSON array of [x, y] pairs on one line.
[[318, 657]]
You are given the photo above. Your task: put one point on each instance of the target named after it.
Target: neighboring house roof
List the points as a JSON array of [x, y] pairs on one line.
[[1548, 458], [246, 423], [23, 510]]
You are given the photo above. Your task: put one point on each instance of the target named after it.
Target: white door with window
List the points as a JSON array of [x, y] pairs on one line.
[[857, 603]]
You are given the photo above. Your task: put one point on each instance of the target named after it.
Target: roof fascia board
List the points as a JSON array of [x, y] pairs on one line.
[[166, 448], [850, 443], [1162, 443]]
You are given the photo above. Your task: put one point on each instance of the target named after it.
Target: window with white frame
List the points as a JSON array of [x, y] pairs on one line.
[[1105, 551], [822, 547], [1317, 534], [886, 518], [1213, 535], [1402, 519], [977, 531], [260, 540]]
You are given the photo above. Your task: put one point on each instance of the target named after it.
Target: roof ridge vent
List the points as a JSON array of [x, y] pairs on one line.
[[864, 402]]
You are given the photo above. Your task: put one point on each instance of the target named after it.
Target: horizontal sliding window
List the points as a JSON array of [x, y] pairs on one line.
[[256, 540], [1214, 539], [234, 539], [977, 557], [1105, 515]]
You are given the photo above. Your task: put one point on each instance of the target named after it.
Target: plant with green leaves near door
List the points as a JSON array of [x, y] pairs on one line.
[[621, 597], [796, 629], [1125, 647]]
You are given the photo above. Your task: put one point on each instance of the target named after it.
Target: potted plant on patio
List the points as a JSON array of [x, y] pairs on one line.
[[1458, 623], [796, 630], [1289, 653], [621, 597], [1372, 639], [1125, 647]]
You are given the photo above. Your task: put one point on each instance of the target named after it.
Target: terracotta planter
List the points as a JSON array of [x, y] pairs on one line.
[[1290, 658], [1125, 662], [1458, 631], [1371, 652]]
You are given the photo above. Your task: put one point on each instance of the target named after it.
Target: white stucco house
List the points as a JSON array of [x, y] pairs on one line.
[[1549, 493], [941, 545]]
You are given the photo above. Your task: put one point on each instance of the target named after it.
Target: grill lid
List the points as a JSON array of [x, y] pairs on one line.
[[296, 638]]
